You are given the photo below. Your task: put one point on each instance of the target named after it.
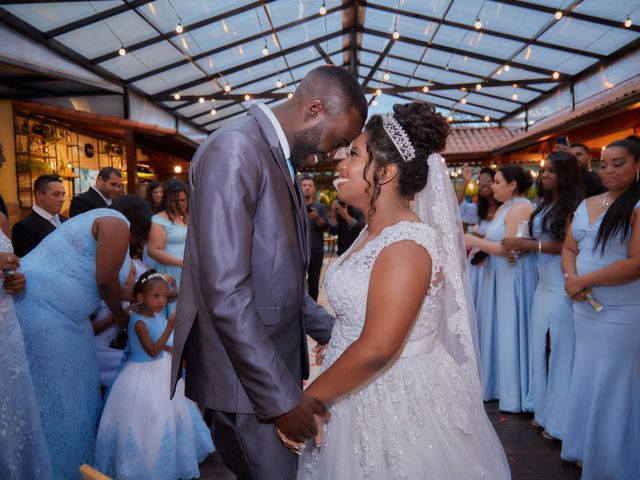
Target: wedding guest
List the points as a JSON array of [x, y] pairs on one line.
[[84, 260], [44, 217], [153, 194], [169, 232], [551, 311], [601, 261], [318, 223], [23, 449], [468, 209], [590, 179], [346, 222], [101, 195], [144, 433], [504, 302]]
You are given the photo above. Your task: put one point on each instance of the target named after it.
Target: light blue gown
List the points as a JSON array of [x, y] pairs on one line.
[[176, 236], [23, 449], [476, 272], [551, 312], [504, 317], [144, 434], [54, 315], [602, 427]]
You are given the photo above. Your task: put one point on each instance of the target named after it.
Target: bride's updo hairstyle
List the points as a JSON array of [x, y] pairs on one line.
[[427, 130]]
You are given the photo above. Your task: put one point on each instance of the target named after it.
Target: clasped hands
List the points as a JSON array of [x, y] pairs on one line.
[[13, 281], [512, 247]]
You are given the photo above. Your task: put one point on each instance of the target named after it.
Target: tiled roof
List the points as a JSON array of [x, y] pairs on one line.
[[476, 140]]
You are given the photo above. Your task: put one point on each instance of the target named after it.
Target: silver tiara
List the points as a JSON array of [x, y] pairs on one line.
[[153, 276], [399, 137]]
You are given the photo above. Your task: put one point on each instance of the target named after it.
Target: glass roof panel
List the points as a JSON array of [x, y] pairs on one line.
[[305, 32], [515, 73], [47, 16], [469, 65], [491, 102], [208, 87], [108, 35], [547, 3], [479, 110], [197, 108], [258, 71], [374, 42], [433, 8], [588, 36], [524, 94], [618, 10], [304, 55], [407, 50], [143, 60], [165, 80], [238, 55], [286, 11], [406, 26], [548, 58], [476, 42], [440, 75], [499, 16]]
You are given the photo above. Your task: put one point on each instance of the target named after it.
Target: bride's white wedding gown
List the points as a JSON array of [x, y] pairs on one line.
[[422, 417]]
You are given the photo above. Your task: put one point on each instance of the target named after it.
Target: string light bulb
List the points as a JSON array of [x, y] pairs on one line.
[[179, 28], [378, 92], [386, 76], [265, 50], [122, 52], [628, 22], [425, 89], [227, 88], [395, 35], [463, 101], [558, 15], [507, 68], [247, 97], [478, 87], [514, 96], [278, 84], [213, 100], [374, 102], [289, 95], [450, 118], [176, 96], [478, 24], [213, 111], [323, 9], [487, 118], [555, 75], [201, 100]]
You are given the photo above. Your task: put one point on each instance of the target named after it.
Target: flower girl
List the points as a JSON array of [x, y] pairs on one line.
[[143, 434]]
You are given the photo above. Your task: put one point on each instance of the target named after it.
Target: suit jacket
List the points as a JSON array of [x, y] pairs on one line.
[[592, 183], [242, 314], [29, 232], [86, 201]]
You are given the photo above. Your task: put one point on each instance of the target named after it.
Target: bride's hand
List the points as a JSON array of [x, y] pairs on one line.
[[320, 350], [291, 445], [320, 420]]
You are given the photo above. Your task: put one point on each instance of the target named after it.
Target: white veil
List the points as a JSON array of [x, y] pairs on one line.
[[437, 206]]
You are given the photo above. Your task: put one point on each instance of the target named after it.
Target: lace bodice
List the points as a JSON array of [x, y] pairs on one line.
[[347, 285], [6, 302]]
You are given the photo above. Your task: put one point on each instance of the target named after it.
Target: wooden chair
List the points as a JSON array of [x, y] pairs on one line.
[[90, 473]]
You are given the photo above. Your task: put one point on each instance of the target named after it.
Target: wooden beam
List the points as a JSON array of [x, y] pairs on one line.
[[132, 161]]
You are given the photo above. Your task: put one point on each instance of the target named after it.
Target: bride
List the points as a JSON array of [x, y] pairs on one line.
[[400, 377]]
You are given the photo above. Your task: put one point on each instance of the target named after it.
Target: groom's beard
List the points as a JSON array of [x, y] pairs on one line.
[[305, 143]]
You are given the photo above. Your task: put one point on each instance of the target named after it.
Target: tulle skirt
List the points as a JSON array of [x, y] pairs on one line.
[[143, 434]]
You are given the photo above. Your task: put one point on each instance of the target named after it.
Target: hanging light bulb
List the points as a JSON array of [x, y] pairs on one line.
[[176, 96], [374, 102], [555, 75], [210, 63], [628, 22], [395, 35], [247, 97], [515, 85], [478, 87], [450, 118], [227, 88], [425, 89], [265, 50], [122, 52], [213, 111], [478, 24], [201, 100], [289, 95], [386, 76], [514, 96], [323, 9], [507, 68], [463, 101], [558, 15], [213, 100], [487, 118], [179, 28]]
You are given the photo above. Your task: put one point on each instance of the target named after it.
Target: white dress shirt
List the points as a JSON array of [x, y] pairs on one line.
[[53, 219], [108, 200]]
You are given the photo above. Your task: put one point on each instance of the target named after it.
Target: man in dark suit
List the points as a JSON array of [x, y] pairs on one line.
[[107, 187], [44, 217], [590, 179], [242, 315]]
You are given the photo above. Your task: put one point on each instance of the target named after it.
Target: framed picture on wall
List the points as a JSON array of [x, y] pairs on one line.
[[86, 177]]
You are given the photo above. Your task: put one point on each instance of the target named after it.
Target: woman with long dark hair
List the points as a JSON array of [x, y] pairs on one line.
[[503, 308], [154, 194], [551, 311], [169, 232], [601, 262]]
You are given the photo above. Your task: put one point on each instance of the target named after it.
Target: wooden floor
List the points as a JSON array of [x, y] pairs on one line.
[[530, 456]]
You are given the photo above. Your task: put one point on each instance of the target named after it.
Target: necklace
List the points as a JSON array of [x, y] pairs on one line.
[[605, 201]]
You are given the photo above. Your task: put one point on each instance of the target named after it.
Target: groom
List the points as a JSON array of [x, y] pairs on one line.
[[243, 316]]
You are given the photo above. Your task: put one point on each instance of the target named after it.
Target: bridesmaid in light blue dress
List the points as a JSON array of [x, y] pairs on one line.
[[504, 302], [602, 428], [169, 234], [23, 449], [551, 312], [82, 261]]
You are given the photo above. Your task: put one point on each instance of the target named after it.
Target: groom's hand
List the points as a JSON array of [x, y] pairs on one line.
[[299, 424]]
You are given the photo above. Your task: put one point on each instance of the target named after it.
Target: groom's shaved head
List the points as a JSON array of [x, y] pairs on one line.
[[338, 90]]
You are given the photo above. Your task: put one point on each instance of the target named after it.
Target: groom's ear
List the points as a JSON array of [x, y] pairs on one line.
[[315, 109]]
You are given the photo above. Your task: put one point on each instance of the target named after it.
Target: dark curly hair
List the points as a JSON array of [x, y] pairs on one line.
[[147, 278], [483, 203], [170, 199], [570, 194], [137, 211], [427, 131], [515, 173]]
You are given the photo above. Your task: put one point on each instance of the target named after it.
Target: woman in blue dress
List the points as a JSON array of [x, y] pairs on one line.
[[169, 234], [504, 303], [601, 255], [23, 449], [84, 260], [551, 311]]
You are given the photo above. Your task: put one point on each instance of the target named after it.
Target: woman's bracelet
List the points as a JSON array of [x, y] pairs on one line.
[[539, 246]]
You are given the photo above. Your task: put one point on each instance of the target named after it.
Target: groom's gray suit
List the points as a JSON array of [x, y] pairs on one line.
[[242, 314]]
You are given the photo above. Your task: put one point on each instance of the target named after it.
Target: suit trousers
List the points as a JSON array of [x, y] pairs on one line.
[[313, 273], [251, 449]]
